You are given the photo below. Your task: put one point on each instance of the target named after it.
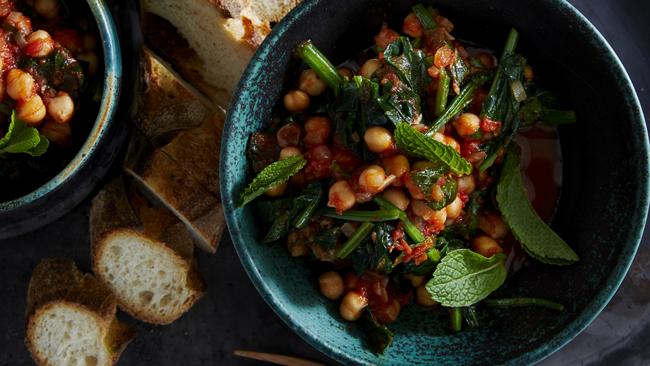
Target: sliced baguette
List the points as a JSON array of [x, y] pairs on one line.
[[179, 120], [71, 317], [210, 41], [150, 266], [193, 36], [167, 103], [166, 183]]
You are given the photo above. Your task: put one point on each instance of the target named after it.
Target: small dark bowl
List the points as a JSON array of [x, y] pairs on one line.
[[95, 156], [602, 209]]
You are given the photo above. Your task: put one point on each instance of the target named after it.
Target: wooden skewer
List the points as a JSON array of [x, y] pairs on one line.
[[276, 359]]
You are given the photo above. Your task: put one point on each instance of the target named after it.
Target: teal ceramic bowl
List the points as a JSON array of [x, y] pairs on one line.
[[93, 159], [602, 209]]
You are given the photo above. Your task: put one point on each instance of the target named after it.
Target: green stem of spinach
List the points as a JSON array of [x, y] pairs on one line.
[[524, 301], [409, 227], [313, 57], [558, 117], [424, 16], [355, 240], [456, 319], [455, 107], [363, 216], [303, 218], [511, 44], [442, 93]]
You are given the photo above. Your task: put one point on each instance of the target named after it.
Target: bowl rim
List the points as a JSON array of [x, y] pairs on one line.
[[560, 339], [108, 107]]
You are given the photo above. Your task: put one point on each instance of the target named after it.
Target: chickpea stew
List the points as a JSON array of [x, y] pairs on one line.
[[50, 87], [398, 174]]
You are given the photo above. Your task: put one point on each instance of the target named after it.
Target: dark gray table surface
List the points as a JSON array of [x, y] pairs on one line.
[[233, 315]]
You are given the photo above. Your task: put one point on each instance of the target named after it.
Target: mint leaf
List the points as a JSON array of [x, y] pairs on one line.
[[20, 138], [274, 174], [537, 239], [464, 278], [412, 142]]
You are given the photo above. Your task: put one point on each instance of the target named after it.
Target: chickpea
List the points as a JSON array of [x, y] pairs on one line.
[[466, 184], [19, 22], [31, 110], [390, 313], [420, 208], [278, 190], [493, 225], [397, 198], [439, 137], [467, 124], [397, 165], [372, 179], [352, 305], [450, 141], [331, 285], [345, 72], [296, 247], [289, 151], [298, 250], [422, 165], [486, 246], [341, 196], [423, 297], [311, 83], [20, 85], [61, 107], [370, 67], [91, 59], [454, 209], [317, 131], [437, 194], [296, 101], [289, 135], [49, 9], [378, 139], [60, 134], [39, 44], [528, 73]]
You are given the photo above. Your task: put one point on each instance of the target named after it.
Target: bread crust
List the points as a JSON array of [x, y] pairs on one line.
[[165, 182], [147, 223], [195, 281], [58, 283]]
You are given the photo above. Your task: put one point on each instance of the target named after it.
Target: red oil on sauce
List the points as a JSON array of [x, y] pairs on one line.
[[541, 163]]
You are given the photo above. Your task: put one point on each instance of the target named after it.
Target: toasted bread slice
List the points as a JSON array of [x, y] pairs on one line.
[[251, 20], [210, 41], [71, 317], [166, 182], [149, 266], [192, 36], [167, 103], [179, 120]]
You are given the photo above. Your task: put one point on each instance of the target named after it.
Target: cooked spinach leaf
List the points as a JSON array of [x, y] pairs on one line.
[[377, 336], [373, 254]]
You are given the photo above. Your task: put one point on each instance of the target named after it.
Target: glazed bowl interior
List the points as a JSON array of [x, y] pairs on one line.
[[66, 189], [601, 213]]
